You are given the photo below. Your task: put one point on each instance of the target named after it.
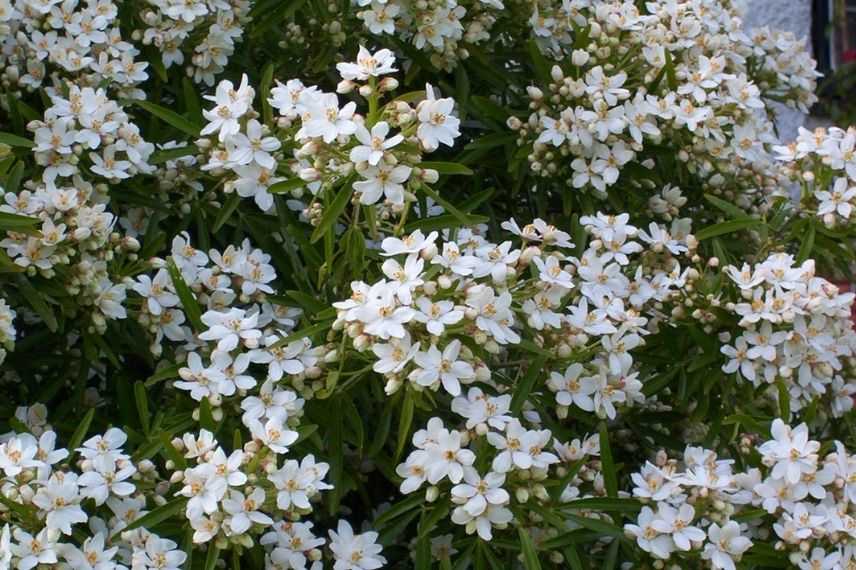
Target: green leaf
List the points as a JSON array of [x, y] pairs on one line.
[[423, 554], [610, 477], [527, 549], [671, 78], [727, 227], [405, 422], [15, 140], [429, 522], [80, 433], [170, 452], [612, 554], [212, 557], [165, 373], [170, 117], [25, 512], [539, 62], [286, 186], [264, 93], [332, 212], [605, 504], [401, 507], [226, 211], [17, 223], [186, 296], [206, 418], [807, 242], [725, 206], [450, 168], [167, 154], [142, 406], [491, 140], [158, 515], [38, 303], [525, 386], [444, 221], [303, 333], [573, 558], [449, 207], [597, 525], [14, 178]]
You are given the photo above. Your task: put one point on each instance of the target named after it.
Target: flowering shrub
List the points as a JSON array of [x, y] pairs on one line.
[[419, 284]]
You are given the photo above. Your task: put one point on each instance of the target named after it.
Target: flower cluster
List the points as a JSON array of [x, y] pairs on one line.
[[231, 284], [676, 80], [795, 331], [204, 31], [521, 461], [803, 499], [260, 312], [86, 131], [442, 28], [81, 41], [226, 497], [105, 491], [823, 163], [441, 317]]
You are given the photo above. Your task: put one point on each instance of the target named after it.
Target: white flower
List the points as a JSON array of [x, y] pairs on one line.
[[476, 493], [521, 448], [252, 147], [446, 458], [820, 560], [571, 389], [374, 144], [414, 243], [739, 355], [60, 499], [382, 315], [231, 327], [481, 409], [676, 523], [157, 292], [436, 315], [494, 315], [293, 485], [405, 279], [273, 434], [355, 551], [91, 556], [394, 355], [231, 104], [107, 166], [326, 120], [648, 537], [367, 65], [19, 453], [34, 550], [105, 450], [443, 367], [158, 554], [483, 523], [382, 180], [99, 485], [243, 511], [203, 489], [290, 99], [790, 452], [437, 125], [725, 546]]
